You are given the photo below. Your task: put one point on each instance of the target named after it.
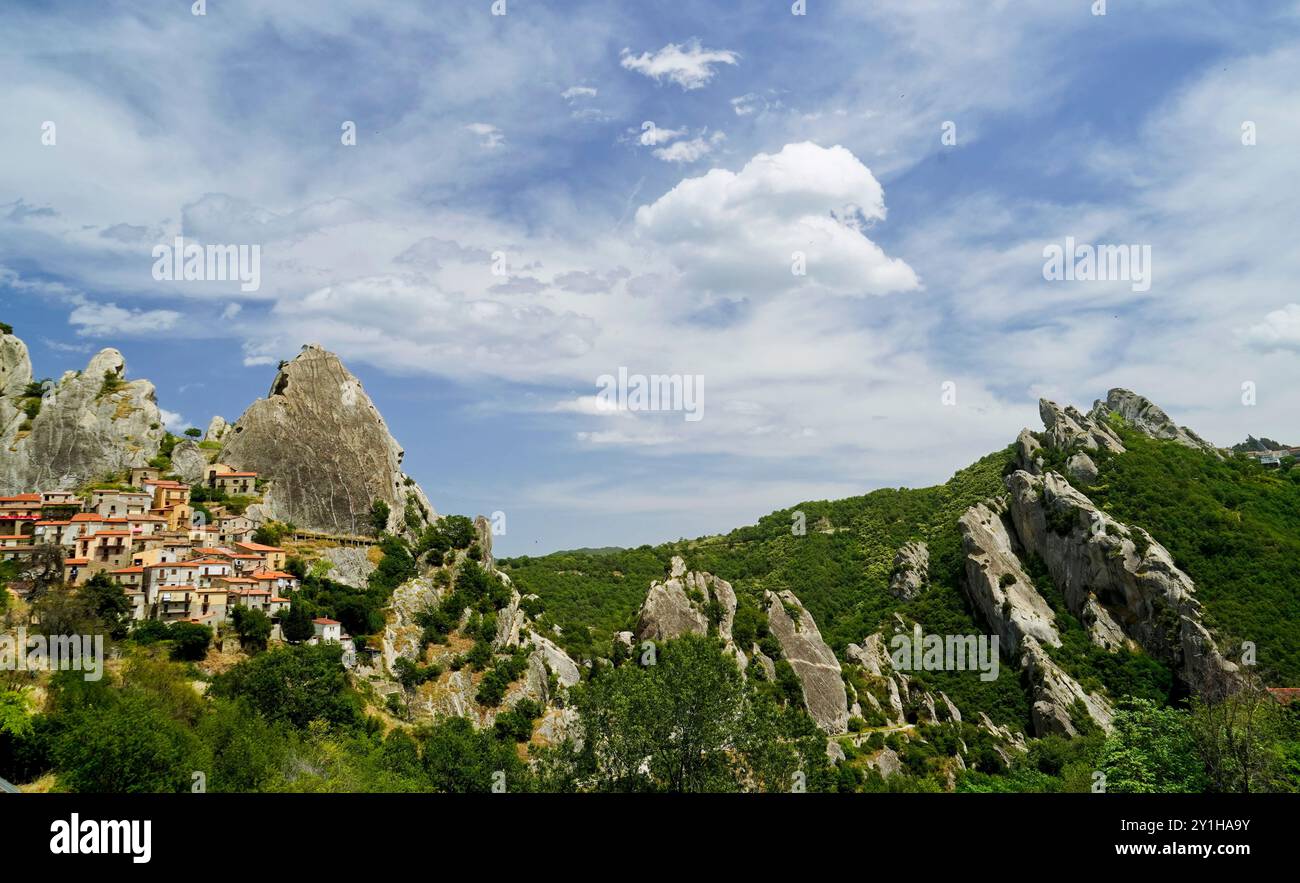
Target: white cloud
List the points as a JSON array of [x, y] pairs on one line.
[[1280, 330], [492, 137], [573, 93], [690, 151], [652, 135], [688, 64], [737, 231], [173, 421], [110, 320]]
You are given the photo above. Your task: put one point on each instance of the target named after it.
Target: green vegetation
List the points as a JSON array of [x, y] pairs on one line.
[[1233, 526]]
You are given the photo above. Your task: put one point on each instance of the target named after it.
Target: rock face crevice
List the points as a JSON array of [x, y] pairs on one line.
[[321, 442], [91, 423]]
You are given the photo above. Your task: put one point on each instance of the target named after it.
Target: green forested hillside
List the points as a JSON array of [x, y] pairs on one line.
[[1231, 524]]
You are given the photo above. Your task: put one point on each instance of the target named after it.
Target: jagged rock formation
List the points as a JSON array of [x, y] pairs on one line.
[[1058, 697], [217, 429], [997, 584], [1143, 415], [455, 692], [188, 461], [812, 660], [1005, 596], [483, 530], [911, 571], [90, 423], [681, 605], [324, 446], [1066, 428], [1115, 578]]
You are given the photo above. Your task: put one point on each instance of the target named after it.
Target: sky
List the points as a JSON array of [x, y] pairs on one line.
[[835, 223]]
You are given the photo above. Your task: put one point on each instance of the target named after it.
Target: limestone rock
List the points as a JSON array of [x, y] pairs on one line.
[[1081, 468], [1147, 418], [217, 428], [402, 636], [1029, 452], [510, 623], [189, 461], [812, 660], [680, 606], [1057, 697], [90, 424], [1067, 428], [911, 571], [557, 661], [351, 565], [1136, 587], [887, 763], [320, 440], [483, 530], [997, 585]]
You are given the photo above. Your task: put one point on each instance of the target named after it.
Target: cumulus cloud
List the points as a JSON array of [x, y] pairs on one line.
[[1280, 330], [739, 231], [174, 421], [688, 64]]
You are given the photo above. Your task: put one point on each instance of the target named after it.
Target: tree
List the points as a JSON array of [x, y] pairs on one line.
[[379, 512], [126, 746], [253, 627], [680, 718], [44, 569], [1151, 751], [459, 759], [297, 626], [1238, 733], [294, 684], [108, 601], [190, 640], [194, 432]]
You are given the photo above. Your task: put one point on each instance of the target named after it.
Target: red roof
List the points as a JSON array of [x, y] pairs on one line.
[[258, 547], [1285, 695], [323, 621], [26, 498]]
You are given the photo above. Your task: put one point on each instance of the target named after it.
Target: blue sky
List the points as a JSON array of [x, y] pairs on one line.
[[665, 249]]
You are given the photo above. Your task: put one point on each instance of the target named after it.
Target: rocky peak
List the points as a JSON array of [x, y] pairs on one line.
[[1147, 418], [321, 442], [681, 606], [89, 424], [1067, 427]]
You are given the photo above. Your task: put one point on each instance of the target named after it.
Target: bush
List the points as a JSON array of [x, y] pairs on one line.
[[191, 640]]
